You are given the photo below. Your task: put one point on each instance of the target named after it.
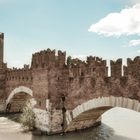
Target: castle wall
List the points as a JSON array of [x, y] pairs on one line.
[[52, 76], [40, 87], [116, 68], [18, 77], [46, 69]]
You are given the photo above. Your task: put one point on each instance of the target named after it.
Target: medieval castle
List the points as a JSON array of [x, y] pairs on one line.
[[52, 76], [81, 89]]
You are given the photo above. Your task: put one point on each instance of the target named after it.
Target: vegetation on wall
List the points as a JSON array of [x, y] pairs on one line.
[[27, 118]]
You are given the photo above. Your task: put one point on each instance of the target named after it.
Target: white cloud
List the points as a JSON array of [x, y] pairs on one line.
[[126, 22], [135, 1], [134, 43]]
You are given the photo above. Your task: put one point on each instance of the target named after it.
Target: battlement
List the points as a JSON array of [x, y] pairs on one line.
[[135, 61], [133, 67], [95, 61], [48, 58], [77, 63], [43, 59], [61, 58], [116, 62], [93, 66], [24, 74], [52, 76], [116, 68]]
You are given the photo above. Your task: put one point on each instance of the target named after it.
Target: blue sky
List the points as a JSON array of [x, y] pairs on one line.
[[33, 25]]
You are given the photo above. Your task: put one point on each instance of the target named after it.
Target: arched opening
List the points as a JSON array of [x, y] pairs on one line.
[[18, 98], [90, 112]]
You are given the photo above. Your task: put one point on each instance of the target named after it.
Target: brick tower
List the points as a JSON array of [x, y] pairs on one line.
[[1, 46], [2, 72]]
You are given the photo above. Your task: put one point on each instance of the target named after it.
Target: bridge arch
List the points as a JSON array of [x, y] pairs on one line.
[[20, 91], [88, 113]]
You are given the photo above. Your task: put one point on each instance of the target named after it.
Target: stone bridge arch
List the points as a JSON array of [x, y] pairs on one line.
[[90, 112], [22, 92]]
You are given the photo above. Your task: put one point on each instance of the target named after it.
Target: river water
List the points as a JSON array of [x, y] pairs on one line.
[[117, 124]]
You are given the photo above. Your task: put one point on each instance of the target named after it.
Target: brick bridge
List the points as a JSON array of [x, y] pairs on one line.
[[89, 113], [86, 86]]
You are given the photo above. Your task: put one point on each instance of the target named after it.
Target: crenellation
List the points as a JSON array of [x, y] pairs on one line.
[[51, 75], [116, 68], [78, 67], [78, 63], [93, 67], [23, 74], [98, 66], [26, 67], [133, 67], [137, 60], [95, 61], [43, 59], [129, 61], [61, 59], [58, 83], [91, 60]]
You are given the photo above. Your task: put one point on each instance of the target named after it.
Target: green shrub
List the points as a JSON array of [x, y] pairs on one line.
[[27, 118]]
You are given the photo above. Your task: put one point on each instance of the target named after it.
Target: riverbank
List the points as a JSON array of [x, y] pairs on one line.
[[7, 125]]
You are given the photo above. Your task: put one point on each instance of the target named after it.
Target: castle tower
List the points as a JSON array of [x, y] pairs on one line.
[[2, 73], [1, 46]]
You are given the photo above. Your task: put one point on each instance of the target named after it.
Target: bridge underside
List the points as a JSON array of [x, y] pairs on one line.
[[18, 102], [88, 113], [87, 119]]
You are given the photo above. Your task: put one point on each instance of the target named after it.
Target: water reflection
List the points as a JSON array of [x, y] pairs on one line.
[[102, 132]]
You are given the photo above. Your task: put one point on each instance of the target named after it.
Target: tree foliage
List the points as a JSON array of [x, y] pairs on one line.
[[69, 59], [27, 118]]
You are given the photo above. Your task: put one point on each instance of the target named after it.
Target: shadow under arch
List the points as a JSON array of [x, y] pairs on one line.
[[89, 113], [23, 92]]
